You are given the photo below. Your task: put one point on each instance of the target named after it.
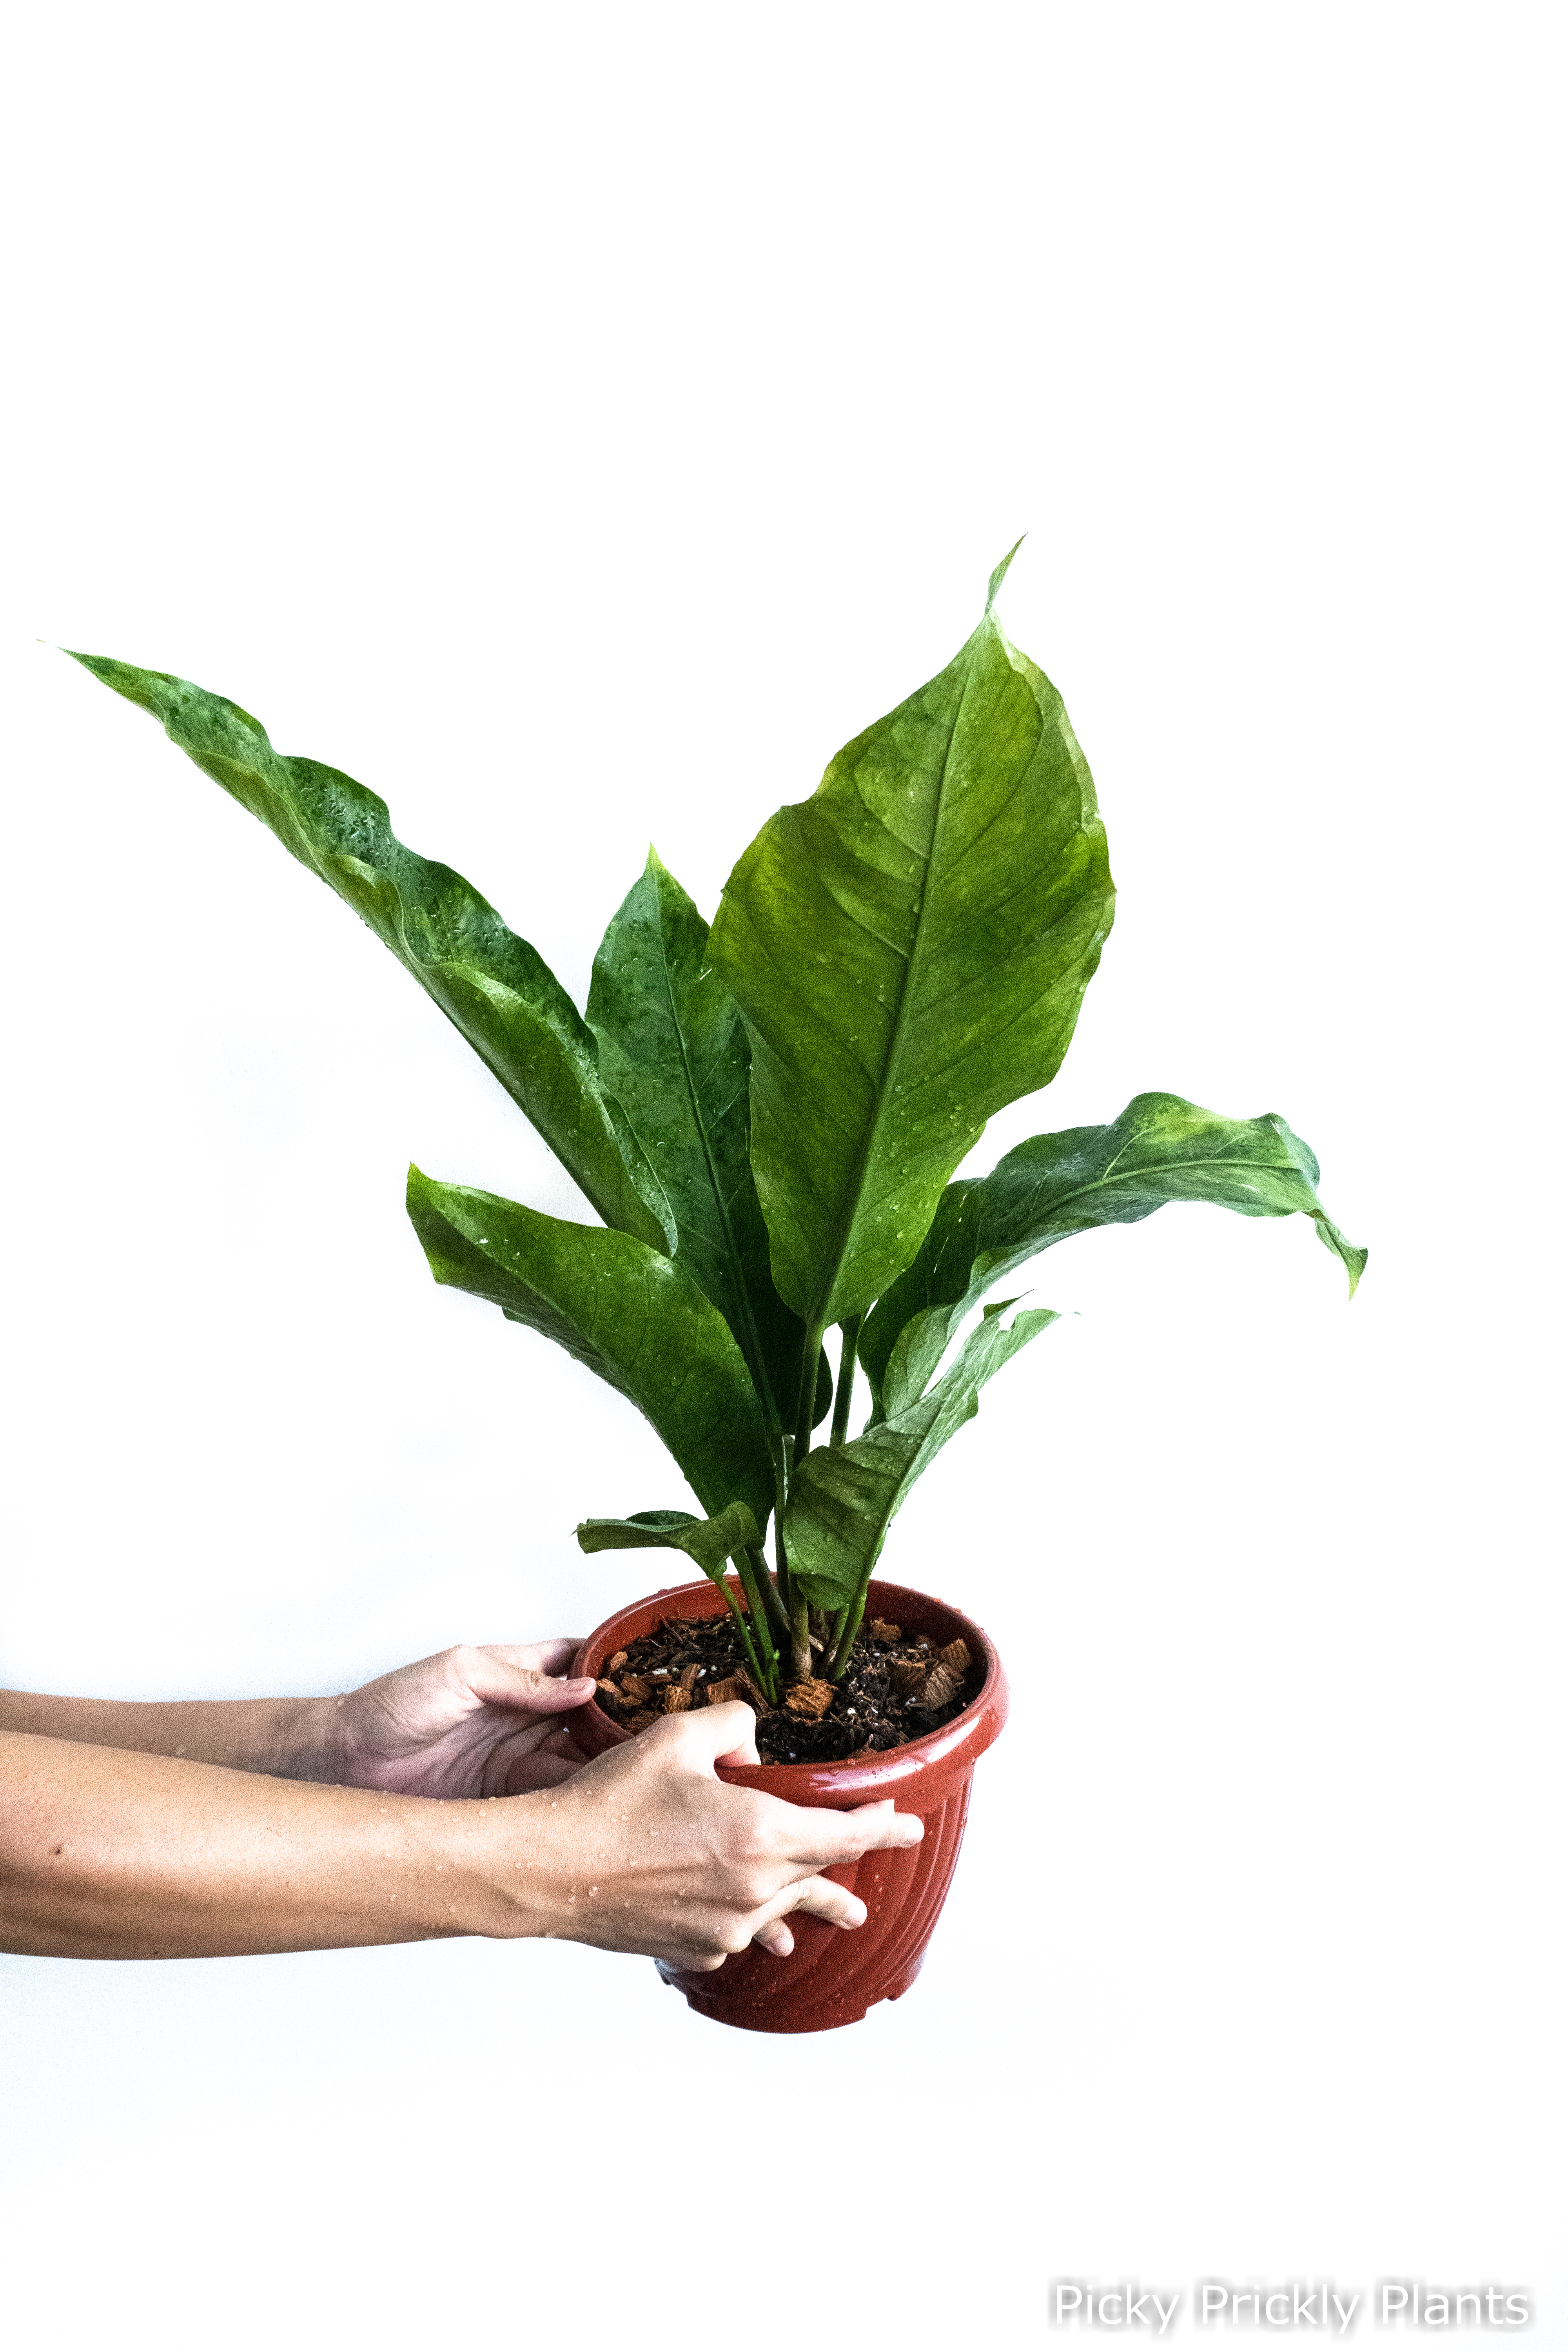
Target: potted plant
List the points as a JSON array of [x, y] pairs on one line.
[[766, 1115]]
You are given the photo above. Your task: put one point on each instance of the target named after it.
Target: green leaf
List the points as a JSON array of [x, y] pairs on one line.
[[673, 1051], [491, 984], [910, 949], [842, 1498], [633, 1317], [710, 1542], [1161, 1150], [642, 1531]]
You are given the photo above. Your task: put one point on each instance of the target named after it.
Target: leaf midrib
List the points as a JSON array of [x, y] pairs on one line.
[[1103, 1183], [1175, 1168], [884, 1092]]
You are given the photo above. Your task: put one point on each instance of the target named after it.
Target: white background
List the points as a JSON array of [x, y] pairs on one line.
[[576, 422]]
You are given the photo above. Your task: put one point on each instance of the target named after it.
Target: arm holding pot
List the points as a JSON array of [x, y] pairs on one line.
[[294, 1825]]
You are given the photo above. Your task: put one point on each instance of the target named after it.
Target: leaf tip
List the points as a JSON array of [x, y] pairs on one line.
[[1000, 571], [1353, 1259]]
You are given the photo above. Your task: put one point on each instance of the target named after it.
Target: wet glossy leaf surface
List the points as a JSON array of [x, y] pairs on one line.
[[1161, 1150], [673, 1051], [634, 1317], [491, 984], [910, 948]]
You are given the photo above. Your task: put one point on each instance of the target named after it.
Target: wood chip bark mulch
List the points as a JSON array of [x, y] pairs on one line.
[[896, 1689]]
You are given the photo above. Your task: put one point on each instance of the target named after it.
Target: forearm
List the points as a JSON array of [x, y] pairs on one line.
[[110, 1854], [293, 1738]]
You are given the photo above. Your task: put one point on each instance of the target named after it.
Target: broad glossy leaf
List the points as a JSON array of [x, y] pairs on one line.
[[491, 984], [910, 948], [842, 1498], [710, 1542], [633, 1317], [673, 1052], [1161, 1150]]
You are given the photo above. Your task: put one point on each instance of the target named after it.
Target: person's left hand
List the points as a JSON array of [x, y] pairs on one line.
[[473, 1722]]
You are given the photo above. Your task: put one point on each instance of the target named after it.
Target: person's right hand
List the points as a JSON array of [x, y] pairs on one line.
[[648, 1850]]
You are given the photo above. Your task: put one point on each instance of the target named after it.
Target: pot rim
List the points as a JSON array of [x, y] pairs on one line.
[[846, 1782]]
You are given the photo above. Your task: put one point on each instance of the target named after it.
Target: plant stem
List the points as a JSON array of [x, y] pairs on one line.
[[851, 1330], [754, 1610], [845, 1642], [774, 1610], [759, 1674], [806, 1408], [800, 1639], [781, 1494], [767, 1681], [795, 1600]]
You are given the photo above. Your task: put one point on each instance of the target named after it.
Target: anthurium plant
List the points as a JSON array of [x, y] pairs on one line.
[[766, 1115]]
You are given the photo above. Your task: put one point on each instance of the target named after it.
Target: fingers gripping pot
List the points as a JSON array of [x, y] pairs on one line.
[[833, 1977]]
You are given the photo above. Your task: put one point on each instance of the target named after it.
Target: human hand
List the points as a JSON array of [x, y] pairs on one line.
[[647, 1850], [471, 1722]]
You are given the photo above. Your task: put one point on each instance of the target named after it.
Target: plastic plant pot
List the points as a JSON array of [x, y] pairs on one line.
[[833, 1977]]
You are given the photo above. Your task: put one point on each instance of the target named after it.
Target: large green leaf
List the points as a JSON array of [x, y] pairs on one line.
[[842, 1498], [673, 1051], [491, 984], [910, 948], [1161, 1150], [633, 1317]]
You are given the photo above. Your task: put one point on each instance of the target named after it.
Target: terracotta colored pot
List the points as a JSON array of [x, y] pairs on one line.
[[832, 1977]]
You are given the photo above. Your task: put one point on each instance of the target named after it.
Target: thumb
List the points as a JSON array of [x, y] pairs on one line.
[[718, 1735], [498, 1682]]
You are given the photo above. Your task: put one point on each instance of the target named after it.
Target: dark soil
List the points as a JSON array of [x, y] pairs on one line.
[[895, 1689]]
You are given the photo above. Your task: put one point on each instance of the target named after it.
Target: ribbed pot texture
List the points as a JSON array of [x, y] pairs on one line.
[[832, 1977]]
